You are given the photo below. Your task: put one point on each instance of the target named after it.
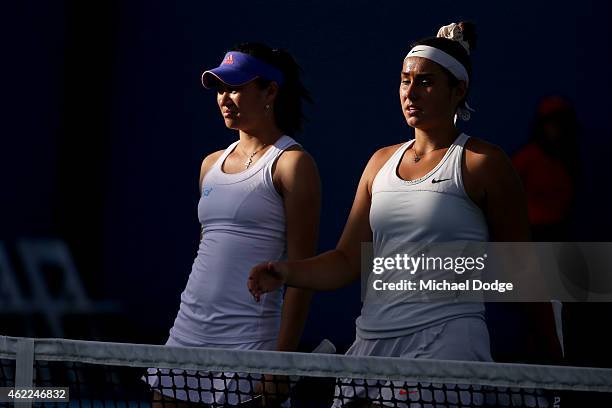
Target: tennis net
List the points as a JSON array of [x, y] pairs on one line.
[[100, 374]]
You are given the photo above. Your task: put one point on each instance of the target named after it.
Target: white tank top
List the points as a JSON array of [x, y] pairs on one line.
[[243, 221], [433, 208]]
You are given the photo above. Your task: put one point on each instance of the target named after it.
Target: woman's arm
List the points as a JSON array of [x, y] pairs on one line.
[[497, 188], [335, 268], [299, 184]]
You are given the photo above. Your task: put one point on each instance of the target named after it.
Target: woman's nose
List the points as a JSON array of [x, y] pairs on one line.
[[223, 98], [410, 92]]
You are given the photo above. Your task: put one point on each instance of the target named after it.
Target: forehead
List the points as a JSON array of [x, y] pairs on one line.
[[417, 65]]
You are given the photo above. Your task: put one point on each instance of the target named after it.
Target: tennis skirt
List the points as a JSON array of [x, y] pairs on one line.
[[464, 339], [213, 388]]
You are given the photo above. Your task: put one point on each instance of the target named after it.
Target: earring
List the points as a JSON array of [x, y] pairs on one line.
[[267, 109]]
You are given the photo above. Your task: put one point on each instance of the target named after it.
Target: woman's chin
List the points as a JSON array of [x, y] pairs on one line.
[[231, 123], [413, 121]]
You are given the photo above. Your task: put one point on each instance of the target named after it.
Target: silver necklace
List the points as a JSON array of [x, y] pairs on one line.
[[417, 157], [249, 160]]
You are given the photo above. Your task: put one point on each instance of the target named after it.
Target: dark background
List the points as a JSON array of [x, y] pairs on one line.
[[105, 123]]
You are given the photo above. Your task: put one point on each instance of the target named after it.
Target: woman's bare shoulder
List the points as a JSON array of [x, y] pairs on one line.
[[380, 157], [208, 162], [486, 159]]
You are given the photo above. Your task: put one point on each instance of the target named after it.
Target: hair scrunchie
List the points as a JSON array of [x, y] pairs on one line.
[[454, 32]]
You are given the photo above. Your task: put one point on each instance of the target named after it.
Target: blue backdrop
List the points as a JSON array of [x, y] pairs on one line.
[[105, 121]]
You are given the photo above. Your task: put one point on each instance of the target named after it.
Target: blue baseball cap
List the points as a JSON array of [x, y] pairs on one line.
[[238, 69]]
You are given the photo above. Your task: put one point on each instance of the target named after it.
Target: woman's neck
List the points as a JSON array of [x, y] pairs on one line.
[[256, 138], [433, 139]]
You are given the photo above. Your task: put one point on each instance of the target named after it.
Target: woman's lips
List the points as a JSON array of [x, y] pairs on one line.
[[413, 111]]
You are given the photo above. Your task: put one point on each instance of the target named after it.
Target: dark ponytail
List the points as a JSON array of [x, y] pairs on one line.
[[288, 103]]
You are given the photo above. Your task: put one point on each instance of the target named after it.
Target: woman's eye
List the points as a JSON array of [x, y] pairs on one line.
[[426, 82], [405, 82], [222, 91]]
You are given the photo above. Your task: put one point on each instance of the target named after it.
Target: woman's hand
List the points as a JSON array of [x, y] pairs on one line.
[[266, 277], [274, 390]]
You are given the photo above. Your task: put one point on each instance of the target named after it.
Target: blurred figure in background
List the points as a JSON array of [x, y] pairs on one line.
[[549, 166]]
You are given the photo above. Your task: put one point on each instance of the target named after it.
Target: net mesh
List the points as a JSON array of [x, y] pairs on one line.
[[125, 375]]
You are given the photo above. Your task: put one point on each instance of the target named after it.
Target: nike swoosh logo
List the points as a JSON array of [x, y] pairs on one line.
[[439, 180]]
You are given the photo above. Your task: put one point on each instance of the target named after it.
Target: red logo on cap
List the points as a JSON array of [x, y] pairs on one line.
[[229, 60]]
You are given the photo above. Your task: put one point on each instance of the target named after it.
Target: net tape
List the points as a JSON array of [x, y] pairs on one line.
[[382, 378]]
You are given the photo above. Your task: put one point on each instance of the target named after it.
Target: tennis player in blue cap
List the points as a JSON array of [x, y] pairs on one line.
[[260, 200]]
